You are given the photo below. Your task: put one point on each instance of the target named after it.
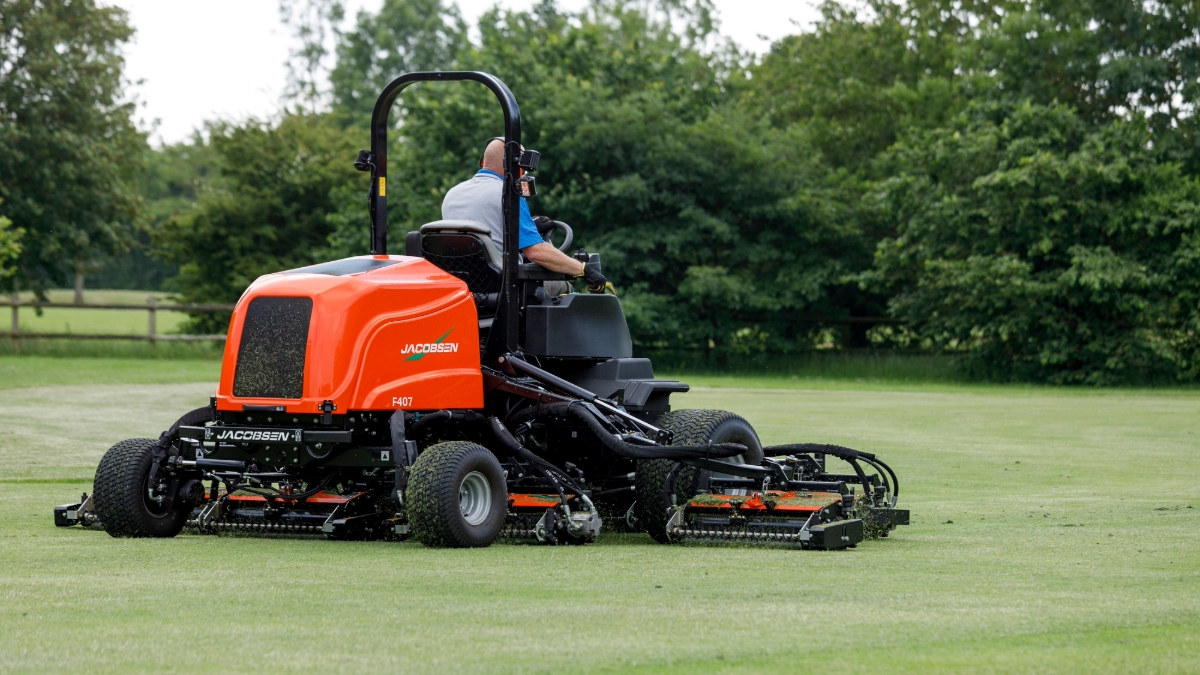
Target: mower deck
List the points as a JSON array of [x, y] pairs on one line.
[[808, 519]]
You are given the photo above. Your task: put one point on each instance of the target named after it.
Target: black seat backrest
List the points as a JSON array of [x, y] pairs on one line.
[[466, 255]]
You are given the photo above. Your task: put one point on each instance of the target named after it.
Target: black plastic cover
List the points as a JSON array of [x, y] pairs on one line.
[[578, 326], [412, 244], [529, 160], [61, 519], [271, 355], [340, 268], [630, 380]]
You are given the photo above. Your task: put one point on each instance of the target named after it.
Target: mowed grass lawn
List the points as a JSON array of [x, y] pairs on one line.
[[1054, 531]]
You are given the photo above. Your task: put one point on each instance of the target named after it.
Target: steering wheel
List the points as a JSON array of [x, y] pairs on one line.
[[546, 228]]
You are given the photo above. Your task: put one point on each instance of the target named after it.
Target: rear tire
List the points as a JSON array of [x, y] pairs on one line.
[[457, 496], [691, 427], [122, 503]]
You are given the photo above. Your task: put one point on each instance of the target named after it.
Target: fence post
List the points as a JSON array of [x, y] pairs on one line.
[[153, 304], [16, 319]]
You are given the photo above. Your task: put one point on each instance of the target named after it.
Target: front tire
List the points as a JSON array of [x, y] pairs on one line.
[[457, 496], [690, 427], [121, 497]]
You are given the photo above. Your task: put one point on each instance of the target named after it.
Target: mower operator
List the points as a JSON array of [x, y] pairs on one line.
[[479, 199]]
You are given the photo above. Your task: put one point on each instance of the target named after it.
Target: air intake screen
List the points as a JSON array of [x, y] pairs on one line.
[[271, 357]]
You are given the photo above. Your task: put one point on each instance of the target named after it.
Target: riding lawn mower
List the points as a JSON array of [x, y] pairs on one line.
[[444, 395]]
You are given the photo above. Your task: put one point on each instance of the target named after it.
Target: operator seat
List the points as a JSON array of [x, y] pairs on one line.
[[465, 249]]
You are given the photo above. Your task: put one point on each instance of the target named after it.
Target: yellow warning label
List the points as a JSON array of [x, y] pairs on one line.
[[382, 186]]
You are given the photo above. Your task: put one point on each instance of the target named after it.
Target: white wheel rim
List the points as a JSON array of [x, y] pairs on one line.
[[475, 498]]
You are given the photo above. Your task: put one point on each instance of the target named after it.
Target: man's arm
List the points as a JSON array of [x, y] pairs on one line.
[[544, 254], [556, 261], [552, 259], [538, 251]]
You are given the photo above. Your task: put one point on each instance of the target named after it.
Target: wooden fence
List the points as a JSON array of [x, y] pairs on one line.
[[152, 308]]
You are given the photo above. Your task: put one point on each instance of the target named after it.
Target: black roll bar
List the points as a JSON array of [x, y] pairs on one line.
[[505, 328]]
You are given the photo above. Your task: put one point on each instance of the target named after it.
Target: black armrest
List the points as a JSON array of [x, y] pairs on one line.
[[412, 244], [535, 272]]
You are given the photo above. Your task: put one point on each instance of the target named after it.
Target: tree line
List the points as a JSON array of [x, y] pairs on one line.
[[1015, 180]]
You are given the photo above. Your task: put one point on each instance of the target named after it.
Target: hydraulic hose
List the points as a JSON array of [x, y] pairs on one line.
[[447, 415], [631, 451], [887, 481], [164, 442], [556, 382], [888, 469], [619, 447], [836, 450], [841, 453], [850, 456], [196, 417], [862, 477], [298, 496], [546, 469]]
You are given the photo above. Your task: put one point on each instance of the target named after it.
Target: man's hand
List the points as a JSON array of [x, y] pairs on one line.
[[542, 223], [596, 282]]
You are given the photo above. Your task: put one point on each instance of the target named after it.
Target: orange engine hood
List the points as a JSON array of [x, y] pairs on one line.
[[403, 335]]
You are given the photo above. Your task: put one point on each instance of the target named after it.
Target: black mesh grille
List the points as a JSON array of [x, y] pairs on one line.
[[271, 356], [470, 269], [464, 257]]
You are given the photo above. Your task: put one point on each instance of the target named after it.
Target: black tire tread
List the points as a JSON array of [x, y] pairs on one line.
[[117, 491], [692, 426], [651, 512], [428, 497]]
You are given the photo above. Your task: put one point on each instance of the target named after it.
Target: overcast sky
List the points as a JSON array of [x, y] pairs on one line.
[[225, 58]]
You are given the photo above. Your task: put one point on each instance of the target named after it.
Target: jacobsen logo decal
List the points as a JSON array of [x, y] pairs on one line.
[[251, 435], [438, 346]]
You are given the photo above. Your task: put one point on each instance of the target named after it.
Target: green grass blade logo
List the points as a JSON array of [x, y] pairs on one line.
[[438, 346]]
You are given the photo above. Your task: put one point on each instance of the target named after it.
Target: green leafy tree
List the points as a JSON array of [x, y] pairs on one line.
[[858, 81], [868, 72], [1101, 57], [314, 25], [722, 231], [403, 36], [10, 246], [864, 79], [1040, 247], [69, 152], [173, 178], [1012, 176], [264, 211], [1108, 60]]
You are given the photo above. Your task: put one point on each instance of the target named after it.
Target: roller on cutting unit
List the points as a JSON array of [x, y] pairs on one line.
[[445, 395]]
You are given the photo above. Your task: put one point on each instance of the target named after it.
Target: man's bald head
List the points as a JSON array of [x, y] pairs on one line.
[[493, 156]]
